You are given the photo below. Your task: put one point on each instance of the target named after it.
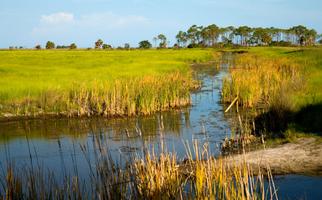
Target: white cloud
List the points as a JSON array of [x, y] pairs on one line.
[[63, 22], [57, 18], [63, 27], [105, 20]]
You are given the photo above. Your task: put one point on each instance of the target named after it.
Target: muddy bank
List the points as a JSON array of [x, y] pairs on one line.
[[304, 156]]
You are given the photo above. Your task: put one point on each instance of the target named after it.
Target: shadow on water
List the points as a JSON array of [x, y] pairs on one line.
[[278, 119]]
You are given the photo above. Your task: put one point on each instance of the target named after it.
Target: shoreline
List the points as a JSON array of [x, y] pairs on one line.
[[57, 116], [303, 156], [11, 117]]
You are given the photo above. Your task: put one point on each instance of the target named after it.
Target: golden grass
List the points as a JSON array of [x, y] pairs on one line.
[[260, 80], [151, 176], [200, 177]]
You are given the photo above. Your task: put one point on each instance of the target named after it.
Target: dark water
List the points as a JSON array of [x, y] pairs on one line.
[[55, 144], [299, 187]]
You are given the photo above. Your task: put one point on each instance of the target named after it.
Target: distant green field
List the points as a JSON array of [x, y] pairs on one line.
[[86, 82]]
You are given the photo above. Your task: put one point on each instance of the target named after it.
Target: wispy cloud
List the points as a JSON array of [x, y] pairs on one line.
[[65, 26], [94, 21], [57, 18]]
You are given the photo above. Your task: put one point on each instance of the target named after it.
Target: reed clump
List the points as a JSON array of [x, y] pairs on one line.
[[259, 80], [221, 179], [118, 98], [158, 176], [150, 176]]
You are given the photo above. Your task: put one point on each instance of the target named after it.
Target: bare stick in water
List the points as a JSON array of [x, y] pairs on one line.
[[231, 105]]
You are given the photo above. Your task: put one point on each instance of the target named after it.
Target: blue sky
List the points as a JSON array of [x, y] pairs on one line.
[[30, 22]]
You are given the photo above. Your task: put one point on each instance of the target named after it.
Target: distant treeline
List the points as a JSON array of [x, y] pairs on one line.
[[214, 36]]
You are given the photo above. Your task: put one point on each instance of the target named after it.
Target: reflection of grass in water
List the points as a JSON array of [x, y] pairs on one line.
[[169, 122], [150, 176], [86, 83]]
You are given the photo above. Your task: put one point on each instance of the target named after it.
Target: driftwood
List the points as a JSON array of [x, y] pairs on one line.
[[231, 105]]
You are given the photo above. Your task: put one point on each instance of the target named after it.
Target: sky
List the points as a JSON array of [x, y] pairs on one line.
[[30, 22]]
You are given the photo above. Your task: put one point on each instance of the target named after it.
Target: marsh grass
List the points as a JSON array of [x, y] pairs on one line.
[[86, 83], [257, 80], [268, 86], [121, 98], [282, 85], [146, 176]]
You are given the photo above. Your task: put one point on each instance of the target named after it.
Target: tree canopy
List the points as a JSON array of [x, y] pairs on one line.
[[145, 44], [163, 40], [73, 46], [99, 44], [50, 45], [199, 36], [213, 35], [106, 46]]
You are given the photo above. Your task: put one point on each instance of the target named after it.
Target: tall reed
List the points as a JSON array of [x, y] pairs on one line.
[[146, 176], [261, 80], [118, 98]]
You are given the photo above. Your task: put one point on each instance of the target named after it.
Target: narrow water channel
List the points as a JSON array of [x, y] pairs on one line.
[[55, 144]]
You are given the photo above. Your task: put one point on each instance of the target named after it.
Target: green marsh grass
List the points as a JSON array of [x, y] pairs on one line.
[[259, 80], [283, 84], [86, 83], [304, 63]]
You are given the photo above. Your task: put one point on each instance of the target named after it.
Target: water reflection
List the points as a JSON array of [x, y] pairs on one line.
[[56, 143], [169, 122]]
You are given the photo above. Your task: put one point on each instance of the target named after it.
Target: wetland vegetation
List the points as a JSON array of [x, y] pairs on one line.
[[280, 86], [276, 90], [285, 83], [149, 176], [86, 83]]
